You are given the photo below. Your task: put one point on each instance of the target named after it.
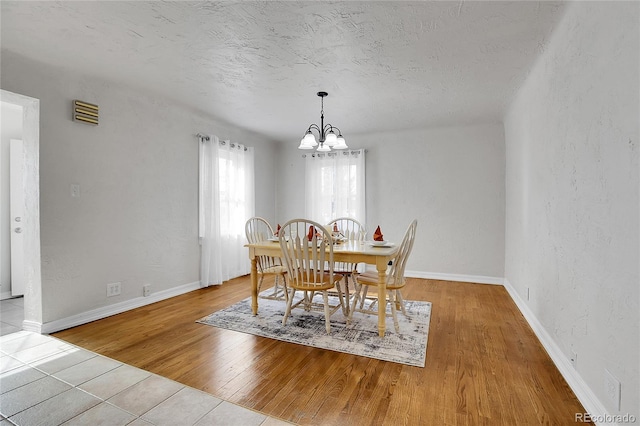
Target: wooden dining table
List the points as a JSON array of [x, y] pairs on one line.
[[350, 252]]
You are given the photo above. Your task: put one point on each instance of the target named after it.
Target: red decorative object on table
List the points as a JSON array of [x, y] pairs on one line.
[[377, 235]]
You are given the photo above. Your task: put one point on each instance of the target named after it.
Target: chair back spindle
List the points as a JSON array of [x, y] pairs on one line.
[[306, 259]]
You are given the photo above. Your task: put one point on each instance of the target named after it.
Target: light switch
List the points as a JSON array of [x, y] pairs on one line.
[[75, 190]]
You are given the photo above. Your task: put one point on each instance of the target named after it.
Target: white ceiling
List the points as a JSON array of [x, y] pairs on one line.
[[387, 65]]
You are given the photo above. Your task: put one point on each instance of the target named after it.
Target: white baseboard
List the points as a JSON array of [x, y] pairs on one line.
[[479, 279], [106, 311], [585, 395]]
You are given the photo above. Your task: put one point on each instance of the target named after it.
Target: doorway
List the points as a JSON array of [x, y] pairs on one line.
[[28, 222]]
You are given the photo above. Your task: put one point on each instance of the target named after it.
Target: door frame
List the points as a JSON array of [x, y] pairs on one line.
[[33, 315], [16, 210]]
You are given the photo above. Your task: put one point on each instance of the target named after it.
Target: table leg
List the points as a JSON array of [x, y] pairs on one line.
[[254, 285], [344, 295], [382, 299]]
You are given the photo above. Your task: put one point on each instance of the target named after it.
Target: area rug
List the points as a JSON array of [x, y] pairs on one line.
[[308, 328]]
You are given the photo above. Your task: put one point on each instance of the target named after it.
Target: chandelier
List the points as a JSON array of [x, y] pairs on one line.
[[327, 138]]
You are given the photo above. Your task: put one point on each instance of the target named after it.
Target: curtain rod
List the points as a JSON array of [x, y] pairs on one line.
[[335, 153], [206, 138]]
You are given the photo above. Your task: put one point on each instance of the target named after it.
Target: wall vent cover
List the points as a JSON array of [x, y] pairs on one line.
[[84, 112]]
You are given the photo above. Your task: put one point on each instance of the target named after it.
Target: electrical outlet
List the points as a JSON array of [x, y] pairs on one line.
[[75, 190], [612, 389], [574, 359], [146, 290], [113, 289]]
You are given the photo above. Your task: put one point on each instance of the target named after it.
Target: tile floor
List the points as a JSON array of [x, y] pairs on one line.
[[11, 315], [46, 381]]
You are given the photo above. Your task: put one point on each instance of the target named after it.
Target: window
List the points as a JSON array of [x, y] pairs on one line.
[[226, 202], [235, 207], [335, 186]]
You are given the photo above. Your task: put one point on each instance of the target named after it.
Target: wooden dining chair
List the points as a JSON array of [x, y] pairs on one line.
[[353, 232], [258, 229], [307, 249], [394, 280]]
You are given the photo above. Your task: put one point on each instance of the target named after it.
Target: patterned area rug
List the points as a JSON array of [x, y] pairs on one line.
[[308, 328]]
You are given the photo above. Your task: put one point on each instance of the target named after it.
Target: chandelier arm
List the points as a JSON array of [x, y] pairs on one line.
[[314, 127], [339, 131], [329, 127]]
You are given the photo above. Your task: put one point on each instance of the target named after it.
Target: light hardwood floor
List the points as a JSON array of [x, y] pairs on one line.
[[484, 365]]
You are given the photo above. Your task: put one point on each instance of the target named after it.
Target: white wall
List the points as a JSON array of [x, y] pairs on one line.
[[289, 182], [450, 179], [572, 209], [10, 128], [136, 219]]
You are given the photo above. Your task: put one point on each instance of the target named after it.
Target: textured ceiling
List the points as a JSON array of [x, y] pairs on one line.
[[387, 65]]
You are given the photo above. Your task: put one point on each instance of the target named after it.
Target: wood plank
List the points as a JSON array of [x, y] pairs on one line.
[[484, 364]]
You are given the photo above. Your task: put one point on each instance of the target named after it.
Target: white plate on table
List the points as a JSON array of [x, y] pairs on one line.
[[276, 239], [381, 243]]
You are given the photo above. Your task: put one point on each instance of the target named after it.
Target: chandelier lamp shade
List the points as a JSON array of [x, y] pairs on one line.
[[327, 137]]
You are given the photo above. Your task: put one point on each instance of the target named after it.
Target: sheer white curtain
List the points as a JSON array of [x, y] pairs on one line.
[[335, 185], [227, 200]]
